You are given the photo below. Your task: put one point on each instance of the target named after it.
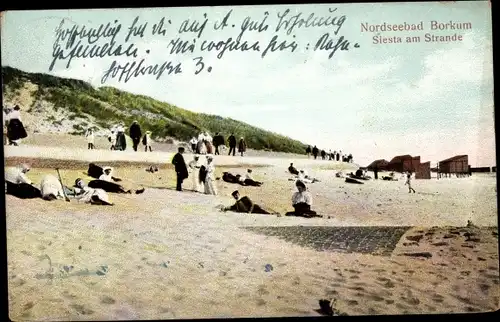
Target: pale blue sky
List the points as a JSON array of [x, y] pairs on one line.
[[377, 101]]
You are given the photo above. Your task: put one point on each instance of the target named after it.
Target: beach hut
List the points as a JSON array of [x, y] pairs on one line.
[[458, 164], [401, 163], [380, 164]]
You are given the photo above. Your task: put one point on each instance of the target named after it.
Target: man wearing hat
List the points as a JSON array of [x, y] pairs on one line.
[[90, 195], [135, 134], [245, 205]]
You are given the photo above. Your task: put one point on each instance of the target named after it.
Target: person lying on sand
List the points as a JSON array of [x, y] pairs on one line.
[[306, 178], [105, 182], [96, 172], [112, 187], [359, 175], [390, 177], [86, 194], [231, 178], [245, 205], [18, 184], [249, 181], [302, 202], [292, 169]]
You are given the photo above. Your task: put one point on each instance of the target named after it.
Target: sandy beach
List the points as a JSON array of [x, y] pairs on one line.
[[167, 254]]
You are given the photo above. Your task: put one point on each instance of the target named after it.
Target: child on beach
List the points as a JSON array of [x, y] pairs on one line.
[[408, 182]]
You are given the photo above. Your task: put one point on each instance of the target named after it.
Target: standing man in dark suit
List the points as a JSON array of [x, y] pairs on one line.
[[180, 168], [218, 141], [232, 144], [135, 134]]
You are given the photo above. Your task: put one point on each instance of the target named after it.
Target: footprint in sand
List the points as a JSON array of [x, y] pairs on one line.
[[354, 277], [262, 290], [68, 295], [389, 301], [332, 292], [81, 309], [352, 302], [28, 306], [375, 297], [356, 288], [431, 308], [472, 309], [261, 302], [107, 300], [438, 298], [484, 288], [178, 297]]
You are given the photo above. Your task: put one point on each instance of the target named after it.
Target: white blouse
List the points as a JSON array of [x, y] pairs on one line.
[[304, 197]]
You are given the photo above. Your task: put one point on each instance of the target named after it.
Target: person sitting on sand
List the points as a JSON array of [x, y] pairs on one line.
[[18, 184], [302, 202], [85, 194], [249, 181], [245, 205], [107, 174], [51, 188], [292, 169]]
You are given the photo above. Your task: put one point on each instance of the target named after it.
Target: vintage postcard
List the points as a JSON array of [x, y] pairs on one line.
[[250, 161]]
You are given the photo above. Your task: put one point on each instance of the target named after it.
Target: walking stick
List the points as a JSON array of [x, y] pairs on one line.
[[62, 185]]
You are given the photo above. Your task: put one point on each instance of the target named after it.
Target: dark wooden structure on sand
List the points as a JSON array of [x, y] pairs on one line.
[[458, 165], [380, 165], [404, 163]]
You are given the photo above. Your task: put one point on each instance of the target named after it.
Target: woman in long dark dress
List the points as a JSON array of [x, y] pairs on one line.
[[121, 142], [242, 146], [15, 127]]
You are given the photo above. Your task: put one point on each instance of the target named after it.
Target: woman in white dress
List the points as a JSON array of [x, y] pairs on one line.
[[195, 166], [210, 188]]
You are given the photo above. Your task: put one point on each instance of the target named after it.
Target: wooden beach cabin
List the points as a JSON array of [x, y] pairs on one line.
[[380, 164], [458, 164], [401, 163], [423, 171]]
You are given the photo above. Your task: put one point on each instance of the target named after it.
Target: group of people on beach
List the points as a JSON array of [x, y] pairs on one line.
[[117, 137], [203, 175], [206, 144], [13, 127], [332, 156], [18, 184]]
